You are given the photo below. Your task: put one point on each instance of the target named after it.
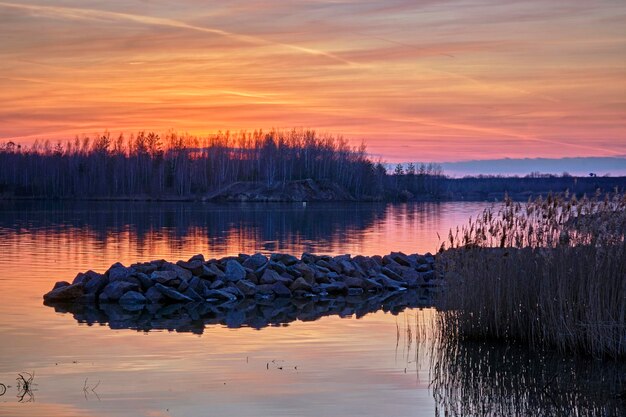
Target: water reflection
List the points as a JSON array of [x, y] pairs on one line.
[[491, 379], [218, 230], [193, 317]]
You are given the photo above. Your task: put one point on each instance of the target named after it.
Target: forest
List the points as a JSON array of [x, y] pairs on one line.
[[147, 165]]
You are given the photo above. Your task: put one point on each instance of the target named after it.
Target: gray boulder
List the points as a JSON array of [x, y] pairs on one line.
[[65, 293], [269, 277], [196, 267], [96, 285], [171, 293], [281, 290], [154, 296], [256, 261], [246, 287], [132, 297], [234, 271], [284, 258], [219, 294], [118, 273], [181, 273], [169, 278], [211, 271], [400, 258], [193, 294], [300, 284], [114, 291], [352, 282]]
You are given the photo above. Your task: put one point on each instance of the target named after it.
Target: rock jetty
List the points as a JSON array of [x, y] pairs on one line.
[[236, 278]]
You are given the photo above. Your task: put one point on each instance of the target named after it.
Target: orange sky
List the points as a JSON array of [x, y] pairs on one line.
[[416, 79]]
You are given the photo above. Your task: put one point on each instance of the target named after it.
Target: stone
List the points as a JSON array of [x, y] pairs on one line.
[[277, 266], [284, 258], [219, 294], [182, 287], [234, 291], [424, 267], [388, 260], [352, 282], [269, 277], [65, 293], [211, 271], [199, 257], [198, 285], [308, 258], [217, 284], [400, 258], [306, 272], [264, 289], [300, 284], [333, 276], [247, 288], [119, 273], [84, 278], [253, 276], [389, 283], [169, 278], [331, 265], [114, 291], [171, 293], [95, 286], [346, 267], [322, 278], [391, 274], [154, 296], [281, 290], [181, 273], [364, 262], [60, 284], [132, 297], [145, 281], [234, 271], [292, 273], [371, 285], [196, 267], [256, 261], [193, 294]]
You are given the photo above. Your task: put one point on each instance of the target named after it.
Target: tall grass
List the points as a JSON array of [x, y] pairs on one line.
[[550, 273]]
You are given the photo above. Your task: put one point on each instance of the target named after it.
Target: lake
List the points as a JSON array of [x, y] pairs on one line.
[[353, 362]]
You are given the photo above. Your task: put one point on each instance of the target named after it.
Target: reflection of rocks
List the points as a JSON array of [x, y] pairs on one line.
[[249, 312], [189, 291]]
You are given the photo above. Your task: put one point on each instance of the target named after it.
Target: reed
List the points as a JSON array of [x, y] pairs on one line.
[[549, 273]]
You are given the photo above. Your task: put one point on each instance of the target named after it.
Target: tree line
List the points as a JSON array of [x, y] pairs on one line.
[[151, 165]]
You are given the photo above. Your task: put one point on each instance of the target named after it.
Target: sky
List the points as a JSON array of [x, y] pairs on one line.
[[422, 80]]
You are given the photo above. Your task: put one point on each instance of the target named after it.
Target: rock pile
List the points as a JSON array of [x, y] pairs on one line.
[[247, 276]]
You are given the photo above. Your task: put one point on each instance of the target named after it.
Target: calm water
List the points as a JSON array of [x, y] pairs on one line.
[[375, 365]]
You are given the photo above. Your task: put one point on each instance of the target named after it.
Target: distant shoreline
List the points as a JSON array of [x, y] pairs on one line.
[[443, 189]]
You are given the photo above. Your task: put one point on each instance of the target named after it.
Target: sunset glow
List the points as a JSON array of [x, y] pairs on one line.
[[416, 80]]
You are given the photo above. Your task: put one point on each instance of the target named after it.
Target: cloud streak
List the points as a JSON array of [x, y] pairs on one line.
[[94, 14]]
